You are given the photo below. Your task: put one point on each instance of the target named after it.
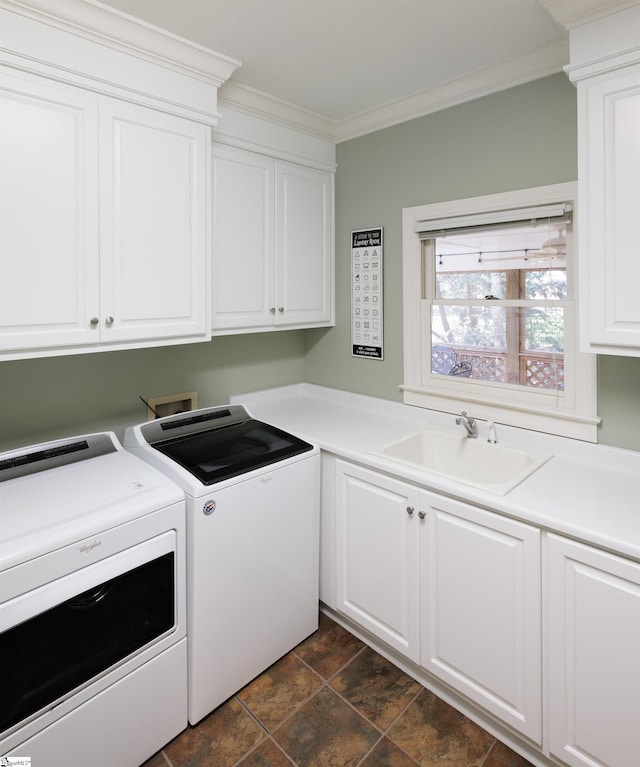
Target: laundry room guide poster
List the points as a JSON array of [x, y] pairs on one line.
[[366, 293]]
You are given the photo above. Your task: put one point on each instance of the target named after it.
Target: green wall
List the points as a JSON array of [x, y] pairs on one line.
[[518, 138], [522, 137], [54, 397]]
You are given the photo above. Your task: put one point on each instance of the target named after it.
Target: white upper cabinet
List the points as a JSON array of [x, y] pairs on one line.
[[304, 231], [243, 224], [153, 224], [48, 213], [104, 181], [272, 243], [605, 63]]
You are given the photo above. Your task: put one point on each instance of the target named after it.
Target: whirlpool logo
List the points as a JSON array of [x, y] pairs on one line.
[[86, 548]]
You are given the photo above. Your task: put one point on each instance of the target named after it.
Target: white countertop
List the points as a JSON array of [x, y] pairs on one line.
[[589, 492]]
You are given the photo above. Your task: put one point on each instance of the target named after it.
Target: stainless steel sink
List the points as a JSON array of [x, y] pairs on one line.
[[497, 468]]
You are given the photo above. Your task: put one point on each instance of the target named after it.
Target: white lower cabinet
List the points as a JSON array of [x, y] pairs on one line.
[[594, 656], [377, 555], [458, 591], [480, 609], [453, 588]]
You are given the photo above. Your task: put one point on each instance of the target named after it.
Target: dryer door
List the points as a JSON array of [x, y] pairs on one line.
[[56, 638]]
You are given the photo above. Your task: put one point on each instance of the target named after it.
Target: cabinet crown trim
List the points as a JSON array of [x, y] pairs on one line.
[[574, 13], [118, 34], [94, 20]]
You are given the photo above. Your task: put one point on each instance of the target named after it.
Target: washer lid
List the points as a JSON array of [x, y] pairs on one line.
[[220, 453]]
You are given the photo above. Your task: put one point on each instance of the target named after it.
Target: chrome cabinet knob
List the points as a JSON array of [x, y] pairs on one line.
[[410, 510], [272, 310], [422, 514], [94, 322], [281, 309], [109, 321]]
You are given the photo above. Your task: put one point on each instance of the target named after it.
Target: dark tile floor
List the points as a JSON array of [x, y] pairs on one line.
[[334, 702]]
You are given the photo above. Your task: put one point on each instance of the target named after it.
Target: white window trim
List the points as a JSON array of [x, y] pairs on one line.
[[573, 414]]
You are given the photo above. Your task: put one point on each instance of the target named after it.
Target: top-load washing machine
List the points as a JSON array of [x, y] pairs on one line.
[[253, 498]]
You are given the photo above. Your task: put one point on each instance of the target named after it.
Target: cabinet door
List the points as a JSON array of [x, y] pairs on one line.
[[48, 209], [480, 609], [610, 211], [594, 656], [376, 555], [153, 224], [243, 277], [304, 236]]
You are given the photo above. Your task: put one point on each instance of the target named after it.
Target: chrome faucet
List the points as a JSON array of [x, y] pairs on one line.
[[469, 424]]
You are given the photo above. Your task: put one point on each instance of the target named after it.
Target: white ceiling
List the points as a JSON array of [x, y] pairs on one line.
[[345, 67]]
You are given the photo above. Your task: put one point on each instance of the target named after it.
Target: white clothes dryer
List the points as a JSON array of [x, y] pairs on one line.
[[93, 648]]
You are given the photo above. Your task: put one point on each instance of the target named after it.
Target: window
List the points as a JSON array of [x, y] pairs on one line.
[[489, 311], [497, 304]]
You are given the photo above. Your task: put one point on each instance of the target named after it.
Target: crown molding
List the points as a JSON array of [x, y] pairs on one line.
[[574, 13], [102, 24], [247, 100], [545, 61]]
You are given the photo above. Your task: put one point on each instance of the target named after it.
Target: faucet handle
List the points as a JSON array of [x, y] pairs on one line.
[[469, 424]]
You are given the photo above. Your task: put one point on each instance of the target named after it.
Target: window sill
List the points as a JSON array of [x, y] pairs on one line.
[[546, 420]]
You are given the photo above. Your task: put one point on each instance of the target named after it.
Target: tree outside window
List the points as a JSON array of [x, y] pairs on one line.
[[497, 309]]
